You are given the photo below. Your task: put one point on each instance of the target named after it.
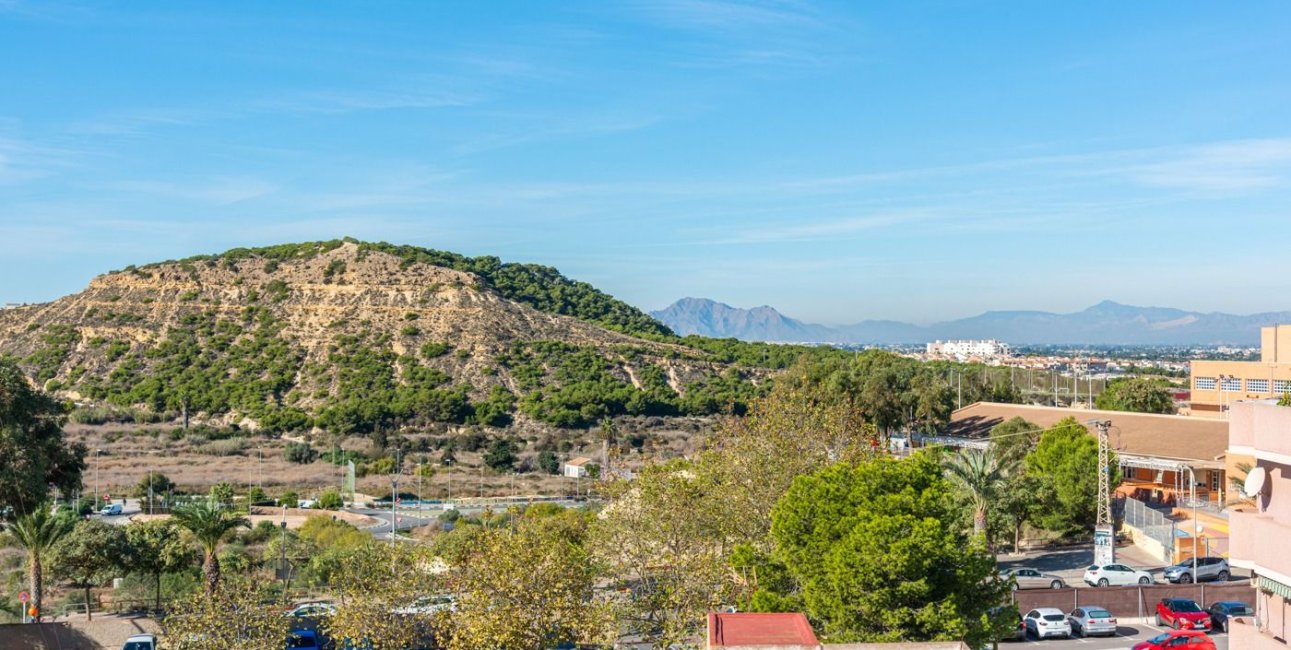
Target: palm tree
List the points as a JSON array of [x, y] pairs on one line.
[[37, 532], [980, 475], [209, 523]]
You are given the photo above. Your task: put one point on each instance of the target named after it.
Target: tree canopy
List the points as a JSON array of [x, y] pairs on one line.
[[34, 454], [93, 553], [1065, 467], [1138, 394], [878, 554]]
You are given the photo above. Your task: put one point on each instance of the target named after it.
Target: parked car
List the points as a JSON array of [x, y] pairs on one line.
[[1028, 578], [303, 640], [1208, 568], [1019, 631], [1172, 639], [112, 509], [140, 642], [1092, 621], [1046, 622], [1181, 614], [1115, 574], [312, 610], [1221, 611], [429, 605]]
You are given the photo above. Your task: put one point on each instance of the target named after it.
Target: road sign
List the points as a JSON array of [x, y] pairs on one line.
[[107, 497], [23, 596]]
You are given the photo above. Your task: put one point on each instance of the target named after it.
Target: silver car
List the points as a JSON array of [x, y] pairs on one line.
[[1208, 568], [1028, 578], [1046, 622], [1092, 621]]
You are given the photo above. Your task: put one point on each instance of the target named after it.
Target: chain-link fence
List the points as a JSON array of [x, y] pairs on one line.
[[1151, 522]]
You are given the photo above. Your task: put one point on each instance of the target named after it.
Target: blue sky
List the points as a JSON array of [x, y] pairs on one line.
[[837, 160]]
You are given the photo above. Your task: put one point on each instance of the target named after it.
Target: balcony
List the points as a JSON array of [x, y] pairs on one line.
[[1258, 539], [1243, 634], [1270, 428]]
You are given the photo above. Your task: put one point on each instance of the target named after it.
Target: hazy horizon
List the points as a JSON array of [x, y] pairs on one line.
[[918, 162]]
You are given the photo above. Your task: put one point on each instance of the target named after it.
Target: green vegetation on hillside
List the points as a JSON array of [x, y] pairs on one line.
[[211, 364], [578, 386]]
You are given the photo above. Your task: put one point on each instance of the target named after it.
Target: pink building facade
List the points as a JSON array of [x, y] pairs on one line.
[[1260, 529]]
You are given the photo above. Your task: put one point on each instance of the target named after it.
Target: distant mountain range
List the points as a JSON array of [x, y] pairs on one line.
[[1107, 323]]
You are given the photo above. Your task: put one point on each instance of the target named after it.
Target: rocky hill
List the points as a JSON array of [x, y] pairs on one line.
[[354, 337]]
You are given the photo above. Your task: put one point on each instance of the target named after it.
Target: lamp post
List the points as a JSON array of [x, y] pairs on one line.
[[1193, 492], [96, 476]]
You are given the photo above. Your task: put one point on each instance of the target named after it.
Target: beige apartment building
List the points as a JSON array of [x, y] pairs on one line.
[[1216, 385], [1260, 526]]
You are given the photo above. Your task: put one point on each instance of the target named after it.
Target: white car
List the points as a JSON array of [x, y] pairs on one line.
[[429, 605], [140, 642], [313, 610], [1046, 622], [111, 510], [1115, 574]]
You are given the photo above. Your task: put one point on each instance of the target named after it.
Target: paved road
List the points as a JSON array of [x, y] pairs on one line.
[[1126, 637]]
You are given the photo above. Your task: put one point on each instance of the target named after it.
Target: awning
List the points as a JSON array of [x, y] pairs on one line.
[[1165, 464], [1275, 587]]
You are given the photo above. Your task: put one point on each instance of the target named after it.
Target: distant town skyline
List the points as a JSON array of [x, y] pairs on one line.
[[918, 161]]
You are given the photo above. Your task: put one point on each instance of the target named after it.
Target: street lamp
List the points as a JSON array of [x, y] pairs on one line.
[[1193, 492], [96, 476]]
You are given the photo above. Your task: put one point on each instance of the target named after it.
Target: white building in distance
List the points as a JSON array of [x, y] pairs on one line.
[[963, 350]]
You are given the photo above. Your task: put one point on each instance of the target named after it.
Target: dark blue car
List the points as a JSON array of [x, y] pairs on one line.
[[303, 640], [1220, 611]]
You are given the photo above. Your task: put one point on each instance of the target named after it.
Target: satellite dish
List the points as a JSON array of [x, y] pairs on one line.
[[1254, 482]]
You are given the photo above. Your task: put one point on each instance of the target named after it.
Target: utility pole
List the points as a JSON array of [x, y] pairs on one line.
[[394, 497], [1104, 532]]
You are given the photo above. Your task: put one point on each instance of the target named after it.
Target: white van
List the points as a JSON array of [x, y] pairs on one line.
[[111, 509]]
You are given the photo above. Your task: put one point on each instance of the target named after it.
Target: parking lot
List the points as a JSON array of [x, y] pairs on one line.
[[1126, 637]]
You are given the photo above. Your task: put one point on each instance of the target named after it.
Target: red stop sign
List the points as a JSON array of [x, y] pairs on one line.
[[107, 497]]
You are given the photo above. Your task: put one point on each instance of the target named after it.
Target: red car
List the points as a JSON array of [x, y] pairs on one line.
[[1181, 639], [1182, 614]]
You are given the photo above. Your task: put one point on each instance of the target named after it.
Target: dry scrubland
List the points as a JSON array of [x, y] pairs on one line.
[[128, 451]]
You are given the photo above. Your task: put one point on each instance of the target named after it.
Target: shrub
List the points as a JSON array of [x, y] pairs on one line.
[[330, 499], [230, 447], [300, 452], [289, 499], [432, 349], [336, 267], [548, 462], [501, 455], [410, 330]]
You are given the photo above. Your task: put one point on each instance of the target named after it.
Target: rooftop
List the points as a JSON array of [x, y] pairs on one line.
[[1171, 437], [726, 630]]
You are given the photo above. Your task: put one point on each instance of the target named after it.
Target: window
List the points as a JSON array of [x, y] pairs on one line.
[[1282, 386], [1257, 385], [1230, 384], [1214, 481], [1204, 383]]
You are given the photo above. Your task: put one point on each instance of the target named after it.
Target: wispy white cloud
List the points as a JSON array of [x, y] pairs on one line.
[[1224, 167], [218, 191], [817, 230], [322, 101], [22, 160], [730, 14]]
